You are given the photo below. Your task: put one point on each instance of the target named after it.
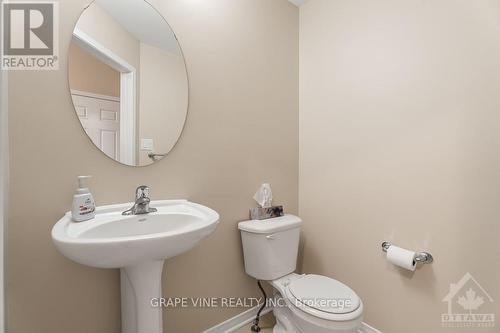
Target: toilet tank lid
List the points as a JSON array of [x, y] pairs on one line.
[[270, 226]]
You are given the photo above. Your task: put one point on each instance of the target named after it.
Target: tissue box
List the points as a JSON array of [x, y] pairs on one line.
[[261, 213]]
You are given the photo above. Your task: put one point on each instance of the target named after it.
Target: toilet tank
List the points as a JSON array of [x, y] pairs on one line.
[[270, 246]]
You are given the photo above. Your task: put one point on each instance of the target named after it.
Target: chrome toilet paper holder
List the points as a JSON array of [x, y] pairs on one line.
[[421, 257]]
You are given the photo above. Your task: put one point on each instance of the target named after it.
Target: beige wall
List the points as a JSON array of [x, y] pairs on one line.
[[87, 73], [243, 67], [400, 141], [163, 99]]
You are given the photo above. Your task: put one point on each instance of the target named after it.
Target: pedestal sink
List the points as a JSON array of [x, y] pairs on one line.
[[138, 246]]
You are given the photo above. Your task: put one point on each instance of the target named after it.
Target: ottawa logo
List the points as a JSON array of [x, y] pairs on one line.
[[467, 301]]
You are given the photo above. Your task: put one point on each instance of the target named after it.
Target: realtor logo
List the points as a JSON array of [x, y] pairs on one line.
[[30, 35], [467, 301]]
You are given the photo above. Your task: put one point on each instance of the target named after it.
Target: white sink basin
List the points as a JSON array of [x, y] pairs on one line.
[[115, 241], [138, 245]]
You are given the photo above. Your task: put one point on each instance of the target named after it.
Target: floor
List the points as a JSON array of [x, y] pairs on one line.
[[266, 329], [266, 325], [246, 329]]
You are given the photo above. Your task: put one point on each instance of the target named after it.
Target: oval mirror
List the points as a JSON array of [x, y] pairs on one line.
[[128, 80]]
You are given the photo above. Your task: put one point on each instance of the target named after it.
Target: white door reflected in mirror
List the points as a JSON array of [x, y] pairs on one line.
[[128, 80]]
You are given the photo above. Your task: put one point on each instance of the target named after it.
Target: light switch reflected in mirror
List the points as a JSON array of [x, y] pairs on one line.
[[128, 80]]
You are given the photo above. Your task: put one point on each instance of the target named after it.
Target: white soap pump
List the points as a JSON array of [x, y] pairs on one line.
[[83, 208]]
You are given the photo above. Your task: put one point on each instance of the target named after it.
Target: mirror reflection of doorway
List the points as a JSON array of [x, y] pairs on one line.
[[104, 95], [96, 97], [100, 118]]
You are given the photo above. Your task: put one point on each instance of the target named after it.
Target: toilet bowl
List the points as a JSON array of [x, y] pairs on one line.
[[308, 305], [302, 303]]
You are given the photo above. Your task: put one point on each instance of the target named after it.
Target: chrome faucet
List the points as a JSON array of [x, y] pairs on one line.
[[142, 201]]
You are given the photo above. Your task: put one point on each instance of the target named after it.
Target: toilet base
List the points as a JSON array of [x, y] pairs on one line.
[[284, 323], [288, 322]]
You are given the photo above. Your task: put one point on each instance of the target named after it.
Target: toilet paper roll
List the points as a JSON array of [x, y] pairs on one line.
[[402, 257]]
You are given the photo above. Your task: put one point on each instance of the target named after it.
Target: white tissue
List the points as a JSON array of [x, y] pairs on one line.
[[264, 196], [402, 257]]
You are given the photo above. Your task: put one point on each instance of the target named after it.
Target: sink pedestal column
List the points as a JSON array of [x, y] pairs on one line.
[[140, 284]]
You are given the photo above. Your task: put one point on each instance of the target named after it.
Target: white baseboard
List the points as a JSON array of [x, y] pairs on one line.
[[244, 318], [368, 329], [232, 324]]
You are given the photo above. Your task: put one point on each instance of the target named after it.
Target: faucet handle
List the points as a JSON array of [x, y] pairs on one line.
[[142, 192]]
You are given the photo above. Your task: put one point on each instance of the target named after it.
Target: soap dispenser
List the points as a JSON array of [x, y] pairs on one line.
[[83, 208]]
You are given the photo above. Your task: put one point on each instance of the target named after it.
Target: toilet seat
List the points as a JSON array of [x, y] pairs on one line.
[[324, 298]]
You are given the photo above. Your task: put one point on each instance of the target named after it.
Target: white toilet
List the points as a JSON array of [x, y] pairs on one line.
[[302, 303]]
